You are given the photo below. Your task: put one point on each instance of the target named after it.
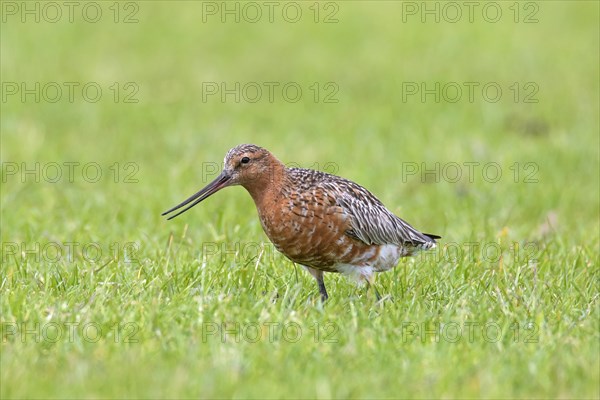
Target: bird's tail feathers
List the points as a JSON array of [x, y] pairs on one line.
[[430, 244], [430, 236]]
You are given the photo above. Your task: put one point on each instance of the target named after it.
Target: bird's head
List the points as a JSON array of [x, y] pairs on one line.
[[248, 165]]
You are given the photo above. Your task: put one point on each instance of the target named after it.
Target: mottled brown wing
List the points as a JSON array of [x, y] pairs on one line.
[[357, 210]]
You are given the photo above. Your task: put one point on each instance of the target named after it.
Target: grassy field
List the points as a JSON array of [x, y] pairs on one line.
[[482, 127]]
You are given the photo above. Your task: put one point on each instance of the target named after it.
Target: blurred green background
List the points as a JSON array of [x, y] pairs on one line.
[[156, 134]]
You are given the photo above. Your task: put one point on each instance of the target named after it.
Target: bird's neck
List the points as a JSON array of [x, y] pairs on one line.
[[266, 188]]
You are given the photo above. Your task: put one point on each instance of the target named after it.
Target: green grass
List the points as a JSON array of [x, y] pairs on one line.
[[203, 306]]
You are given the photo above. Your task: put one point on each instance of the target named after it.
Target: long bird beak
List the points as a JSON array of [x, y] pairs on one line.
[[219, 183]]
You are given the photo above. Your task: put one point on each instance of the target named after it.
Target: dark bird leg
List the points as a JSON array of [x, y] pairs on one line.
[[370, 285], [318, 275], [322, 289]]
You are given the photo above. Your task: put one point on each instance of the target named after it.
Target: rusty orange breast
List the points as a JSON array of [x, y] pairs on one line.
[[309, 227]]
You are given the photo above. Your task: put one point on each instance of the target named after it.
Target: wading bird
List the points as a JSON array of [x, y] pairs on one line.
[[323, 222]]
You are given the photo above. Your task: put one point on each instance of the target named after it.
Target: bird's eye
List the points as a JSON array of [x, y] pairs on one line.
[[245, 160]]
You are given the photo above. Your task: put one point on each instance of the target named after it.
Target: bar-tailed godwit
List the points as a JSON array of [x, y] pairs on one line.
[[321, 221]]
